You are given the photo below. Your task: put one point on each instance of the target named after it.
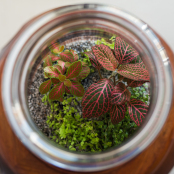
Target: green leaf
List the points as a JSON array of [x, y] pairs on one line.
[[45, 87], [57, 92], [67, 56], [137, 110], [105, 57], [77, 89], [74, 70], [117, 113], [51, 71], [134, 72], [95, 101]]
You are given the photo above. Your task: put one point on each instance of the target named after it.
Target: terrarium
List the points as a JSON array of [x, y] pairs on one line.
[[88, 87], [94, 92]]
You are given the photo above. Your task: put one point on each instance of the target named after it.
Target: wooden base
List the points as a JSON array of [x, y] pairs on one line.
[[157, 158]]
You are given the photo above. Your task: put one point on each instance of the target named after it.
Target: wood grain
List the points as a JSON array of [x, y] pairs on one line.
[[157, 158]]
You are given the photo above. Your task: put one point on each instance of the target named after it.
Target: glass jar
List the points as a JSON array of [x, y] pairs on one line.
[[83, 22]]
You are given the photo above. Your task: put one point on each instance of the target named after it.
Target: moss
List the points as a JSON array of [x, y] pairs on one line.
[[72, 131]]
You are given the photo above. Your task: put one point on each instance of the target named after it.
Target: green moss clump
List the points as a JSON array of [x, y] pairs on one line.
[[110, 43], [72, 131]]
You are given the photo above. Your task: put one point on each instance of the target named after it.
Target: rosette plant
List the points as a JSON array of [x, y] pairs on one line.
[[114, 96], [65, 74]]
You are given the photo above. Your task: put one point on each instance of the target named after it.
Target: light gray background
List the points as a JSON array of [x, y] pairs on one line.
[[159, 14]]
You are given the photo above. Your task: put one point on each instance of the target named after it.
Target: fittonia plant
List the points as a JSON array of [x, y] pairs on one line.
[[111, 96], [64, 73]]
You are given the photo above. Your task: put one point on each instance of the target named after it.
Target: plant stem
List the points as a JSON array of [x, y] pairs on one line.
[[99, 73]]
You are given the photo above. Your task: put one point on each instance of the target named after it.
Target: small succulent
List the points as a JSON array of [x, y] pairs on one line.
[[111, 96]]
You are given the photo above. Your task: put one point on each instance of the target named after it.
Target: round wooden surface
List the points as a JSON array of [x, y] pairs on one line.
[[157, 158]]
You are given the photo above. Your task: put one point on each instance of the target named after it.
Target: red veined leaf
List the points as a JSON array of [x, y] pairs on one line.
[[47, 61], [59, 68], [46, 52], [55, 81], [143, 65], [95, 101], [137, 110], [133, 83], [57, 92], [67, 90], [120, 77], [51, 71], [76, 57], [117, 113], [62, 64], [67, 56], [67, 83], [120, 94], [61, 99], [56, 48], [67, 64], [45, 87], [45, 75], [75, 78], [55, 58], [137, 60], [93, 60], [84, 73], [74, 70], [134, 72], [77, 89], [62, 78], [105, 57], [124, 53]]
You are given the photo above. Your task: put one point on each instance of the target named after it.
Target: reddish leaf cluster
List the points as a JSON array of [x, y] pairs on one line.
[[104, 96], [64, 75]]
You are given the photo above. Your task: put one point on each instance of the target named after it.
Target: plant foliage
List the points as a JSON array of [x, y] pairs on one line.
[[65, 74], [70, 130], [105, 95]]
